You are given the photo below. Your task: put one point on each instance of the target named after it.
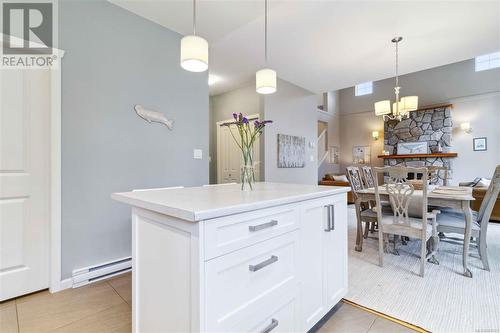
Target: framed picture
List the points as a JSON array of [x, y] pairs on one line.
[[361, 154], [409, 148], [334, 155], [480, 144], [291, 151]]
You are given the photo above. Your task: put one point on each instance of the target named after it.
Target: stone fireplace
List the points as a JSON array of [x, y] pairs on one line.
[[433, 125]]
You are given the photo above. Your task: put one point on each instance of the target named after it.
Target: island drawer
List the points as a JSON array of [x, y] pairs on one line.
[[276, 314], [240, 282], [230, 233]]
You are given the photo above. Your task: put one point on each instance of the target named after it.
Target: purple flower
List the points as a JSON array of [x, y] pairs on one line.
[[256, 123], [235, 116], [245, 120]]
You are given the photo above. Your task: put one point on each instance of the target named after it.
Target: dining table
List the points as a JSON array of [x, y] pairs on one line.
[[454, 197]]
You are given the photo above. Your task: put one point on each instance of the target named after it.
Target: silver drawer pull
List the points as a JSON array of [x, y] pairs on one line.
[[274, 323], [255, 268], [258, 227]]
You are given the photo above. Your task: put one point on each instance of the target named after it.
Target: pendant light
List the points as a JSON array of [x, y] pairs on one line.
[[265, 79], [194, 50], [402, 107]]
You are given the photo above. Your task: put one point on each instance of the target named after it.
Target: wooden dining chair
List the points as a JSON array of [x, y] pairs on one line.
[[454, 221], [368, 176], [364, 213], [400, 192], [436, 173]]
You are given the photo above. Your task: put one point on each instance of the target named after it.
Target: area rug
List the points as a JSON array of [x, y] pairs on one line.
[[443, 300]]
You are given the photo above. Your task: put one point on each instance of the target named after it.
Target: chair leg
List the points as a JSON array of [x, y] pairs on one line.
[[483, 251], [367, 227], [381, 242], [395, 252], [422, 257]]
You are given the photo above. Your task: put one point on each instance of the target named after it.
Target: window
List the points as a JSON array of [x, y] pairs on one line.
[[363, 89], [488, 61]]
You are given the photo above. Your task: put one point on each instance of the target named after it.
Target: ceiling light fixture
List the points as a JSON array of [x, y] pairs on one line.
[[265, 79], [194, 50], [402, 107]]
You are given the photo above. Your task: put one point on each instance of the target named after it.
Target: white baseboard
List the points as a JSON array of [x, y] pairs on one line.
[[61, 285]]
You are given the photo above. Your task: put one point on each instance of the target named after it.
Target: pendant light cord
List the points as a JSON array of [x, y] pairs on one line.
[[265, 32], [397, 64], [194, 17]]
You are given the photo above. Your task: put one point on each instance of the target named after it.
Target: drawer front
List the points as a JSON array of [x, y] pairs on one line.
[[278, 314], [238, 282], [230, 233]]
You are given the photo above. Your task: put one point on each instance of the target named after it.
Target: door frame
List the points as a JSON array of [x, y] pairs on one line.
[[55, 278], [218, 124]]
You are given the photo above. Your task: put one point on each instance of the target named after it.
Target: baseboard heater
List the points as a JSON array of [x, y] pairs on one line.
[[86, 275]]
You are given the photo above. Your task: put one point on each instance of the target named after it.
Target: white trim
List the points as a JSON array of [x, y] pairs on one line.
[[218, 124], [56, 282]]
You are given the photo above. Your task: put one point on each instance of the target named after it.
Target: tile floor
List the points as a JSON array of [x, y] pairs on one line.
[[106, 307]]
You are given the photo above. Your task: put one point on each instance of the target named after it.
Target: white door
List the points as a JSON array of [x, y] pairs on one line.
[[24, 181], [229, 157]]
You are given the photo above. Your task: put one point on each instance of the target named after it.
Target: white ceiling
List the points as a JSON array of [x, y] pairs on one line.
[[329, 45]]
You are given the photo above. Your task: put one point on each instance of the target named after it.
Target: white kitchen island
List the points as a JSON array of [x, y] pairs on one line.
[[217, 259]]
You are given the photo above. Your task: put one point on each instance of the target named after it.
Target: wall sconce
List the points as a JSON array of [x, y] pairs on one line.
[[465, 127], [375, 135]]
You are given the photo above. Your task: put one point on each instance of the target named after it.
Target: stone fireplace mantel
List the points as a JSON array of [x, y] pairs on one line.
[[412, 156]]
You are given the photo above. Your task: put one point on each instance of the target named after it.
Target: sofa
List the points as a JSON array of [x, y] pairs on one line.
[[338, 180]]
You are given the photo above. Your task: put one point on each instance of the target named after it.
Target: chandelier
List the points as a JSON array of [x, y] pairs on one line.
[[402, 107]]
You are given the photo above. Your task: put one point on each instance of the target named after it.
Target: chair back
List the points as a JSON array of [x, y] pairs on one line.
[[355, 179], [368, 176], [489, 200], [400, 191], [436, 173]]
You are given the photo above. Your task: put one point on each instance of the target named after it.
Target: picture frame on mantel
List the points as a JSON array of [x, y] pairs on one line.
[[480, 144]]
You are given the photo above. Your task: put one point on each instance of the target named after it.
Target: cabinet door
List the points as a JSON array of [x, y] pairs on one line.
[[336, 253], [313, 239]]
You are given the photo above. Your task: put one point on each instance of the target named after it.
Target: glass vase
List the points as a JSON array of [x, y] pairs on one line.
[[247, 170]]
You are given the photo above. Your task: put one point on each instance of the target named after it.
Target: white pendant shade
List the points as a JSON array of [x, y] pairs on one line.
[[382, 107], [194, 53], [265, 81], [409, 103]]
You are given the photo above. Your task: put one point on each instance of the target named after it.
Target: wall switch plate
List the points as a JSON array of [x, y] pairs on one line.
[[198, 154]]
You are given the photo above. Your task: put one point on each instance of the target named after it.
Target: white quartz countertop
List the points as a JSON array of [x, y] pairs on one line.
[[207, 202]]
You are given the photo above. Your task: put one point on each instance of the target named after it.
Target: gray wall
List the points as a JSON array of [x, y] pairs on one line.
[[115, 59], [293, 111], [332, 117], [475, 99], [245, 100]]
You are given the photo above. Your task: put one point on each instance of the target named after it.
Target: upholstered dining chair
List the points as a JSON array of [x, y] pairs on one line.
[[401, 192], [364, 213], [454, 221]]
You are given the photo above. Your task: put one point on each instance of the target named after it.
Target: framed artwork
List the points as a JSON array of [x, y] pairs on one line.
[[291, 151], [334, 155], [361, 154], [409, 148], [480, 144]]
